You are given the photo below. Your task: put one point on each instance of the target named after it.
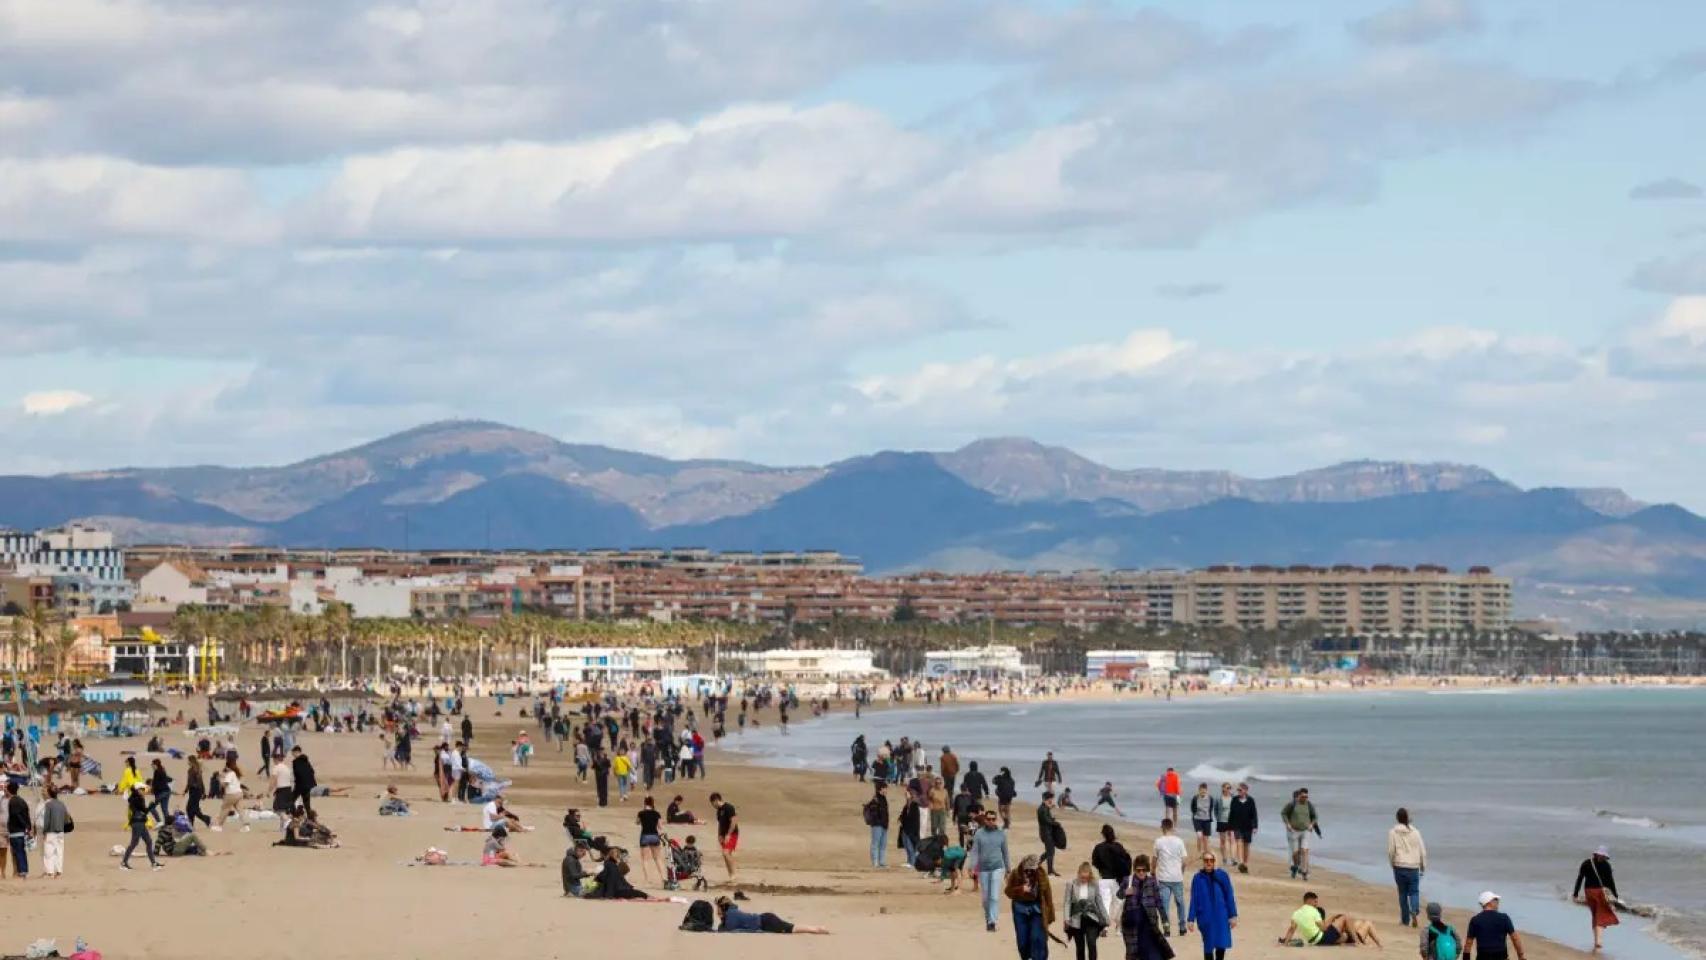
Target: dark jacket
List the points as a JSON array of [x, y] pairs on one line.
[[1243, 813], [1005, 789], [303, 773], [1049, 772], [975, 783], [1111, 860]]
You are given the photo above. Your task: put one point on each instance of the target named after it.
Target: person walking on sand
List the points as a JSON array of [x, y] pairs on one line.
[[861, 758], [1048, 773], [1243, 819], [1005, 792], [1300, 820], [728, 831], [1223, 827], [1085, 914], [989, 862], [1033, 908], [1596, 887], [1214, 911], [1439, 940], [1110, 858], [975, 783], [1167, 786], [1488, 931], [1048, 831], [1170, 870], [1409, 859], [949, 767], [1205, 810], [138, 821], [1143, 918]]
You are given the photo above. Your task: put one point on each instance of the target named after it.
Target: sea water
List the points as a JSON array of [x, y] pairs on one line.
[[1510, 788]]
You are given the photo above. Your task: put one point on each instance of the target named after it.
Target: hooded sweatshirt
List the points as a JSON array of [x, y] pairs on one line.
[[1404, 847]]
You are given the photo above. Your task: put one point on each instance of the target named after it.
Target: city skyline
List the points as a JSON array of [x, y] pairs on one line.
[[1218, 235]]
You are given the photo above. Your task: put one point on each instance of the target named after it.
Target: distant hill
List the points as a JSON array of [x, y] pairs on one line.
[[1597, 554]]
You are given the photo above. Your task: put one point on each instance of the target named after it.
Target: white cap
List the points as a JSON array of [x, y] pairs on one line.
[[1487, 896]]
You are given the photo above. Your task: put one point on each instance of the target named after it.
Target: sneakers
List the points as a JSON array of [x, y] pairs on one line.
[[1294, 871], [157, 867], [218, 829], [990, 927], [1243, 868], [124, 866]]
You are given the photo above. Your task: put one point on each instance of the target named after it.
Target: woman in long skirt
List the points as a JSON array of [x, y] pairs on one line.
[[1596, 887]]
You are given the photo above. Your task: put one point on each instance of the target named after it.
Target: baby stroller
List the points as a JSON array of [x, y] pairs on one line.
[[683, 864]]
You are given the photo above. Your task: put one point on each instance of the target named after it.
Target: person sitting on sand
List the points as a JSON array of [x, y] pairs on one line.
[[574, 870], [392, 805], [494, 813], [613, 878], [1316, 929], [675, 814], [496, 852], [319, 834], [732, 919]]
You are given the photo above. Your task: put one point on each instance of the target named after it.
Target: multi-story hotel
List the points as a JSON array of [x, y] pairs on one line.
[[1342, 599]]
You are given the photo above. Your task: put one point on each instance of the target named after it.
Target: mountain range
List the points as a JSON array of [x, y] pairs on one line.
[[1593, 556]]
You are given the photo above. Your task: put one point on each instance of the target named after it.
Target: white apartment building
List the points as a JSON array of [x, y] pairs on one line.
[[87, 567]]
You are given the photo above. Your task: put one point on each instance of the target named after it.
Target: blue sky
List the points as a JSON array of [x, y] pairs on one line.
[[1260, 236]]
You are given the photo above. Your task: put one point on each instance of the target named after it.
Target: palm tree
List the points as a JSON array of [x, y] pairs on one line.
[[59, 648]]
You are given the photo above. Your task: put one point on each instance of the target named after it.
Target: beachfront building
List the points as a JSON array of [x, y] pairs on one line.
[[158, 659], [117, 690], [612, 664], [1381, 600], [994, 661], [1127, 664], [826, 664]]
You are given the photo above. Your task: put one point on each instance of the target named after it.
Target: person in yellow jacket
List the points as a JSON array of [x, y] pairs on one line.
[[129, 778], [624, 770]]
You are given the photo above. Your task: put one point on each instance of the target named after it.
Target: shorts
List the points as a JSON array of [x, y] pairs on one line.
[[771, 923], [1223, 828], [283, 800], [1203, 827], [730, 842], [1296, 840], [650, 840], [1244, 834], [1329, 938], [1171, 801]]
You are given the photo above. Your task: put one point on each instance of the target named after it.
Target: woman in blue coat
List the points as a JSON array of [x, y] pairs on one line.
[[1213, 910]]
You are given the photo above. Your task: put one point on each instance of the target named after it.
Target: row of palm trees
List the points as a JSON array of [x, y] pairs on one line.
[[273, 642], [40, 637]]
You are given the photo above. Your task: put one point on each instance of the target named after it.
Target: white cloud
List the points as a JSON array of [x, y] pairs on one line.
[[51, 403], [1418, 21]]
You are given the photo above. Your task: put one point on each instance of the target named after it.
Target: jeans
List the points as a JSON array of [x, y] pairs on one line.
[[989, 886], [1029, 934], [163, 803], [1048, 852], [1173, 890], [910, 846], [879, 846], [139, 834], [1409, 880], [20, 853]]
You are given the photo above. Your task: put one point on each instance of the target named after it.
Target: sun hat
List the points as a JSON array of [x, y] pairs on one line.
[[1487, 896]]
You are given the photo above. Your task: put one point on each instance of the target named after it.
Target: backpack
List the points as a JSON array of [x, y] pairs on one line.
[[871, 814], [1445, 945], [701, 917]]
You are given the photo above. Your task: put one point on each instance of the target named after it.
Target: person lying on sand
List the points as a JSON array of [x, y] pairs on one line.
[[1315, 928], [732, 919]]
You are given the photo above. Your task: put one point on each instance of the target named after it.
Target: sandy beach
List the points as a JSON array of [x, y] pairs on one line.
[[804, 855]]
